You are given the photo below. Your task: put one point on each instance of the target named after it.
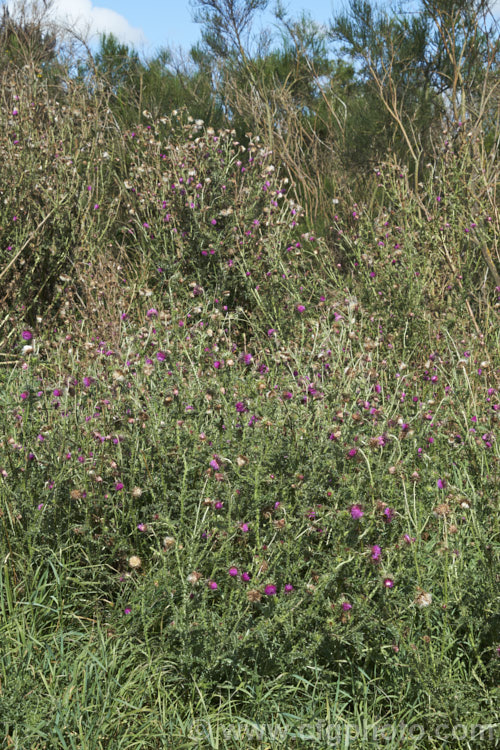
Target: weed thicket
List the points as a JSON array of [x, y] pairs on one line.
[[249, 475]]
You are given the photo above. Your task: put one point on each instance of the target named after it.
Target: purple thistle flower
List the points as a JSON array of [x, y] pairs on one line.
[[388, 583], [376, 552], [240, 407], [27, 335], [233, 572], [346, 606], [270, 590], [288, 588], [356, 512], [245, 577], [389, 514], [441, 484]]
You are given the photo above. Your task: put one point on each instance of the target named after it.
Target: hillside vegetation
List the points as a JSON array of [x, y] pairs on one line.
[[250, 385]]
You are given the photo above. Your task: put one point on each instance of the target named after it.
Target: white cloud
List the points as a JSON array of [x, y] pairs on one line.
[[89, 20]]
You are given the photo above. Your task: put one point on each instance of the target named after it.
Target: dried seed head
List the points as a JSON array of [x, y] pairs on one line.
[[424, 599], [254, 596], [135, 562]]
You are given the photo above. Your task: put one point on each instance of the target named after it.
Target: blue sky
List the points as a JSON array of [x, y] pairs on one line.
[[170, 21], [149, 24]]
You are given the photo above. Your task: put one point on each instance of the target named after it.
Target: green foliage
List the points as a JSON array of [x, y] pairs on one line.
[[157, 85], [119, 65], [151, 630], [25, 40], [226, 25], [426, 67], [248, 471]]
